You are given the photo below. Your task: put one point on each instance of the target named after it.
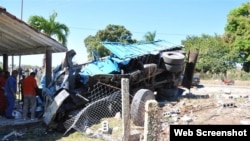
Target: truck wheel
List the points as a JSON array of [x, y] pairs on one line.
[[174, 68], [138, 105], [182, 52], [173, 58]]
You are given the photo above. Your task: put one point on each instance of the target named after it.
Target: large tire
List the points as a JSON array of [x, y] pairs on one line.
[[173, 58], [138, 105], [174, 68], [182, 52]]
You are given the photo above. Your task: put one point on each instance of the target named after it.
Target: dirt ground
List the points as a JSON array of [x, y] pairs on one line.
[[211, 102], [217, 103]]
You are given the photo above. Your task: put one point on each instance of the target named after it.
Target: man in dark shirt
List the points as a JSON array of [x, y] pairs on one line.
[[10, 91]]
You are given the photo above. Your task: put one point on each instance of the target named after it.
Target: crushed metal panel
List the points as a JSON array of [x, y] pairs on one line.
[[124, 51], [50, 111]]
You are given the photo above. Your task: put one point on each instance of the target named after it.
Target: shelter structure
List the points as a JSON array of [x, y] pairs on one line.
[[17, 38]]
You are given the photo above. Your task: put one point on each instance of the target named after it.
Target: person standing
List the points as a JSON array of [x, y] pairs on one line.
[[20, 86], [29, 86], [10, 91], [3, 100]]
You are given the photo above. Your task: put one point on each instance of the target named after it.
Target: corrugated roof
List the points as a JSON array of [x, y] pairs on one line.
[[18, 38], [124, 51]]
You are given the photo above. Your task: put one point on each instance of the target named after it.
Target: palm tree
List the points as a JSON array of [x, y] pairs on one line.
[[150, 36], [50, 27]]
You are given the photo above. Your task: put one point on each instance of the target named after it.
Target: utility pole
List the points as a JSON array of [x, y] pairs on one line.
[[19, 68], [22, 10], [21, 19]]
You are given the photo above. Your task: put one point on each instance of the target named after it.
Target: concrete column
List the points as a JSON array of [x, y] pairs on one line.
[[125, 109], [48, 66], [5, 62], [151, 121]]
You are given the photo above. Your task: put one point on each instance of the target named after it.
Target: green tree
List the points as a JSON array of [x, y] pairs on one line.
[[112, 33], [150, 36], [237, 31], [50, 27], [214, 55]]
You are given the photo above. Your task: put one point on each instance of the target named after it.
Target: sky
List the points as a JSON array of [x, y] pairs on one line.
[[172, 20]]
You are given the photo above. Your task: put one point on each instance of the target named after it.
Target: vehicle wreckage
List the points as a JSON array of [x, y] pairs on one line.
[[80, 95]]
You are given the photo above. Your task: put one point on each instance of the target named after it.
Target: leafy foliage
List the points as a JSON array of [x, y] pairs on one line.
[[214, 55], [150, 36], [112, 33], [237, 31], [50, 27]]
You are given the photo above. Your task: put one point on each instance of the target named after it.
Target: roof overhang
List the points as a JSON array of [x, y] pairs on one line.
[[18, 38]]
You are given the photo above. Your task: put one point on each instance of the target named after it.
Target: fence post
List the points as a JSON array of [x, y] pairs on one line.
[[125, 109], [151, 121]]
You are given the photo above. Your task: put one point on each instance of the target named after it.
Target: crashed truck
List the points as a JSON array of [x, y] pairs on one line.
[[80, 95]]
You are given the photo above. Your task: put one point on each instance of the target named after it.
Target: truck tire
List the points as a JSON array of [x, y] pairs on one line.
[[138, 105], [174, 68], [173, 58], [182, 52]]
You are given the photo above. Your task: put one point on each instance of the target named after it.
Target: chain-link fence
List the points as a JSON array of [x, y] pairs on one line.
[[106, 103], [110, 117]]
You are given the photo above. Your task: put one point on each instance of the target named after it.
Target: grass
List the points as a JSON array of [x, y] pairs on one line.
[[76, 136]]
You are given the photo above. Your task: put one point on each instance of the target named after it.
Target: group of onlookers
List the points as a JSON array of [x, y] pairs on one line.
[[8, 91]]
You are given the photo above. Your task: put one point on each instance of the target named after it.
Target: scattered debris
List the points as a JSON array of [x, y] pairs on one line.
[[105, 127], [12, 134], [186, 118]]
